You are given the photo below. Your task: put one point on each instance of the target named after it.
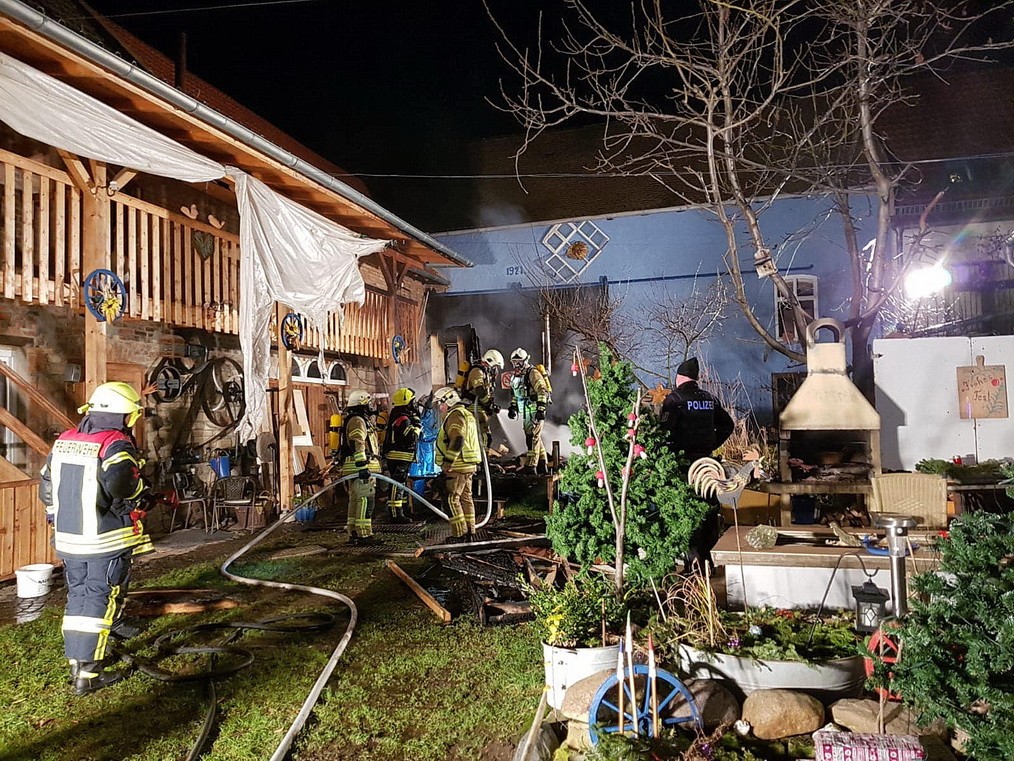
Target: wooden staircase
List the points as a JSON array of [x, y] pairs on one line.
[[24, 533]]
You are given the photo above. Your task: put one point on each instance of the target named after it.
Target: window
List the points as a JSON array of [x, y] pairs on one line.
[[805, 289]]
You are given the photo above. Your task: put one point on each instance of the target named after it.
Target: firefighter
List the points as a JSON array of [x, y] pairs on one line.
[[399, 448], [477, 391], [90, 485], [531, 396], [361, 455], [458, 456]]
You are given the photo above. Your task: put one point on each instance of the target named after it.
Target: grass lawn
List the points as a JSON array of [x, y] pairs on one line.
[[406, 687]]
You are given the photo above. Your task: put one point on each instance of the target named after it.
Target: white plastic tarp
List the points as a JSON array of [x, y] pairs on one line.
[[293, 255], [290, 254], [57, 114]]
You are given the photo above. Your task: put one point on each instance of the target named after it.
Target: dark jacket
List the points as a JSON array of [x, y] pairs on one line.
[[87, 484], [403, 429], [695, 420]]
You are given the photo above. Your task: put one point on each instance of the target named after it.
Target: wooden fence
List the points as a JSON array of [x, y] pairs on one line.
[[24, 533], [176, 270]]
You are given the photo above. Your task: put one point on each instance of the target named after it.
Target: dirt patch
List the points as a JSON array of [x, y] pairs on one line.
[[498, 750]]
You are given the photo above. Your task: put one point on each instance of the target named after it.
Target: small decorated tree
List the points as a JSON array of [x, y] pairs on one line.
[[624, 498], [957, 645]]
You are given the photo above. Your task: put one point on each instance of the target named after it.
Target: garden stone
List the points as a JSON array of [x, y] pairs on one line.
[[716, 703], [775, 714], [578, 698], [861, 716], [578, 737]]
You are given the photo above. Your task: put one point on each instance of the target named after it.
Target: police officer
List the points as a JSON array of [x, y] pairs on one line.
[[458, 456], [531, 395], [90, 484], [477, 391], [697, 426], [362, 456], [399, 445]]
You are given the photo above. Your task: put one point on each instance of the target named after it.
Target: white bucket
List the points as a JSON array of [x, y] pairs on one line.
[[566, 666], [34, 580]]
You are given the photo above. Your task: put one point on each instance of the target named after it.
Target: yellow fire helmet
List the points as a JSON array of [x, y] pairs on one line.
[[402, 397], [116, 397]]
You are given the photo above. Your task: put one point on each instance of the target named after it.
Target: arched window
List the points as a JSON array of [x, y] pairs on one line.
[[313, 370], [337, 373]]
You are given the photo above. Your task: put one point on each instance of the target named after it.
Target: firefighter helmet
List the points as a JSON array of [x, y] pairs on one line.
[[493, 358], [402, 397], [448, 396], [359, 399], [520, 357], [116, 397]]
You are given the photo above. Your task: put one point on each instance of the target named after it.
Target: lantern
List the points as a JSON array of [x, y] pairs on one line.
[[871, 606]]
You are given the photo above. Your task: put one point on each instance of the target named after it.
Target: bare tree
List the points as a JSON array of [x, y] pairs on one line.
[[674, 323], [736, 105]]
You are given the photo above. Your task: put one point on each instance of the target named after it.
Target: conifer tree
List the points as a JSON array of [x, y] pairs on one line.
[[661, 510], [957, 643]]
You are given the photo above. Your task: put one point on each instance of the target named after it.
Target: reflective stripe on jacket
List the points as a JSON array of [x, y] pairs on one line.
[[459, 423], [361, 441], [85, 484], [402, 435]]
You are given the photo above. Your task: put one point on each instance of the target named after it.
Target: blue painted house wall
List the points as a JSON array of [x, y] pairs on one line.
[[667, 249]]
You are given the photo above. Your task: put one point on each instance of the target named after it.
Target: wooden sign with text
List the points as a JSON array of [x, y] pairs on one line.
[[982, 390]]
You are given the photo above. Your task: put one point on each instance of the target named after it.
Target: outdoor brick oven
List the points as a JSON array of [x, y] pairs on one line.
[[828, 428]]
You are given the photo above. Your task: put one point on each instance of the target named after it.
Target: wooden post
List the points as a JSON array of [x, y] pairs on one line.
[[286, 481], [95, 255]]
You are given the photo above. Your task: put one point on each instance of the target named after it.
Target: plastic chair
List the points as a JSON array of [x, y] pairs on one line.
[[921, 495], [229, 493]]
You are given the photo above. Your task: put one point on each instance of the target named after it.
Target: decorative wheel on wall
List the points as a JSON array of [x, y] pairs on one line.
[[604, 714], [196, 350], [223, 400], [105, 295], [292, 331], [398, 346], [168, 382]]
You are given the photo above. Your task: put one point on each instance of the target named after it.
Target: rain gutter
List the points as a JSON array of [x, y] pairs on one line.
[[56, 32]]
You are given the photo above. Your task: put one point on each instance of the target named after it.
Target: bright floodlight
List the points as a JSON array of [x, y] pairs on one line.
[[926, 281]]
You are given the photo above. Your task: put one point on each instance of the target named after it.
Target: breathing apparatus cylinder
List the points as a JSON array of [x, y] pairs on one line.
[[459, 380], [334, 429]]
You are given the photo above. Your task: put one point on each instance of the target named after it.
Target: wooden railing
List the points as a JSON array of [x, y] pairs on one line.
[[177, 270], [24, 533]]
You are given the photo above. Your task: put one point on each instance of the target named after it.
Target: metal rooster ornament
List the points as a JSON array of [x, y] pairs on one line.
[[724, 481]]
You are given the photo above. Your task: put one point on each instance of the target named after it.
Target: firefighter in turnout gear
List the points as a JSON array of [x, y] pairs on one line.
[[477, 391], [399, 448], [90, 484], [458, 456], [531, 396], [361, 456]]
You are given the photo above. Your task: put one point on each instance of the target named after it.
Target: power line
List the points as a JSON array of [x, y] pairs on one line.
[[258, 4], [611, 175]]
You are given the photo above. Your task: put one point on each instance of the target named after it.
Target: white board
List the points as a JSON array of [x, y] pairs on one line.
[[994, 438]]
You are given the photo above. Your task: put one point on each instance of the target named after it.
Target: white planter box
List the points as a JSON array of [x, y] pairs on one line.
[[825, 680], [567, 665]]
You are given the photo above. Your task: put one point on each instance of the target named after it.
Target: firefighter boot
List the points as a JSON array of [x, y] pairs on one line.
[[90, 677], [123, 630]]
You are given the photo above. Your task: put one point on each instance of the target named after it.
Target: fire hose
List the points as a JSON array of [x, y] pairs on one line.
[[299, 622]]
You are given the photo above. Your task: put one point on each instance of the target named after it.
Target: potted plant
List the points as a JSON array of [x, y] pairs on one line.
[[761, 648], [576, 624]]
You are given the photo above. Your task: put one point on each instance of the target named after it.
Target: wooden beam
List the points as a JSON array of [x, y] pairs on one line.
[[535, 540], [94, 255], [122, 179], [23, 432], [286, 479], [77, 171], [36, 396], [442, 613]]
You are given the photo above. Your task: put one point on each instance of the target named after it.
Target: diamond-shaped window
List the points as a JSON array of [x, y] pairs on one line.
[[573, 246]]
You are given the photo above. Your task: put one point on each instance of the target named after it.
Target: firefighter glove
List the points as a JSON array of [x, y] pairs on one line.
[[512, 413], [364, 474], [540, 412], [494, 408]]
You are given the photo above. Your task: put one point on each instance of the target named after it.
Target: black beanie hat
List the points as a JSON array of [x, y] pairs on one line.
[[691, 369]]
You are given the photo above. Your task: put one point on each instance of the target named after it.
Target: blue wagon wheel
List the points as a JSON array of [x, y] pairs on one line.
[[604, 714], [397, 347], [105, 295], [292, 331]]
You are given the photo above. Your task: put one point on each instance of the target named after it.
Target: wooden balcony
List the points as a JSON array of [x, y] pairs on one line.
[[177, 271]]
